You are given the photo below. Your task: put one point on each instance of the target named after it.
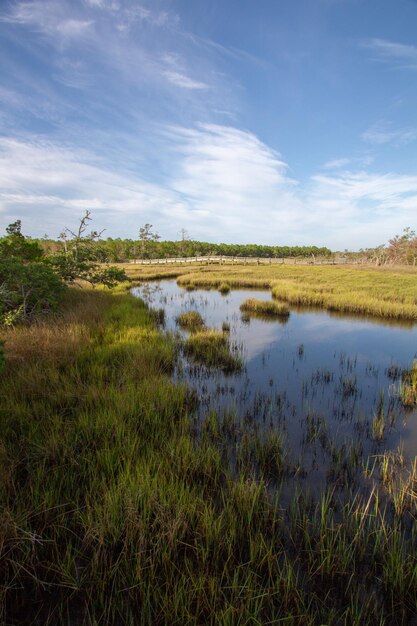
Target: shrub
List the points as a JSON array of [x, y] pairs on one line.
[[27, 290]]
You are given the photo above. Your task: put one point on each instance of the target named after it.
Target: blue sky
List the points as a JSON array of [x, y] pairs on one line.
[[275, 122]]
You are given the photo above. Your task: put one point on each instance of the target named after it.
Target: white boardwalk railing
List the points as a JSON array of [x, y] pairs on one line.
[[243, 260]]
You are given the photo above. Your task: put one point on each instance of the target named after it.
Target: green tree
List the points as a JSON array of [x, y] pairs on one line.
[[17, 246], [80, 256], [146, 237], [28, 287], [27, 290]]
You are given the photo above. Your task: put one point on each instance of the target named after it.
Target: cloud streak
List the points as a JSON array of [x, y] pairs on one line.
[[48, 18], [384, 133], [401, 54], [183, 81]]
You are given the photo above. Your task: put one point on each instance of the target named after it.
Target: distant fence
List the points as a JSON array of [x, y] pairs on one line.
[[239, 260]]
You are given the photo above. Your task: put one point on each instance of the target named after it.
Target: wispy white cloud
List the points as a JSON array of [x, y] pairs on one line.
[[50, 184], [336, 163], [383, 132], [363, 207], [239, 183], [49, 18], [399, 53], [127, 14], [72, 72], [100, 4], [181, 80], [111, 46], [177, 74]]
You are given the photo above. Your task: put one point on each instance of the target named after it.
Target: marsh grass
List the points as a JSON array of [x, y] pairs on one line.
[[399, 480], [224, 288], [265, 307], [389, 293], [190, 320], [114, 512], [213, 349], [408, 387], [226, 327]]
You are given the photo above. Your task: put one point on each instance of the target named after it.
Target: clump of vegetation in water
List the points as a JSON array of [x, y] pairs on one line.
[[265, 307], [212, 348], [408, 386], [190, 320], [224, 288]]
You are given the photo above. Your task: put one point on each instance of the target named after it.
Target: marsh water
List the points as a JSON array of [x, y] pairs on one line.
[[318, 378]]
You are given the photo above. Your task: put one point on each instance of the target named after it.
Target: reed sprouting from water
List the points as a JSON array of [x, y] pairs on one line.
[[408, 386]]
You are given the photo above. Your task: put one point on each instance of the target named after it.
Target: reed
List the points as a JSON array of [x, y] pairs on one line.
[[408, 387]]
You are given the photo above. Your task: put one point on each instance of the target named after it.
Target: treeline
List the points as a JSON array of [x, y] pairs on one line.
[[401, 250], [120, 250]]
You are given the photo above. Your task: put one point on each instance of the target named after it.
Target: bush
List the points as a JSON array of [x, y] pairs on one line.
[[27, 290]]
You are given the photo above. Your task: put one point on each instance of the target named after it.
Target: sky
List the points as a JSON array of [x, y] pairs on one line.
[[280, 122]]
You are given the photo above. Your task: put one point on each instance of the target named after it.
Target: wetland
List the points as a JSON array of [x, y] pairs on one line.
[[326, 384], [190, 454]]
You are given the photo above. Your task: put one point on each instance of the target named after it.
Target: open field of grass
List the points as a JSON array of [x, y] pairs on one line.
[[381, 292], [114, 510]]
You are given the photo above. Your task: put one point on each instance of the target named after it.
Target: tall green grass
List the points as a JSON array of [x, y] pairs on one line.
[[113, 511]]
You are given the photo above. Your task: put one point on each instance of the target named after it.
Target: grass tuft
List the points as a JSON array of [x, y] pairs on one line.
[[224, 288], [190, 319], [265, 307], [213, 349]]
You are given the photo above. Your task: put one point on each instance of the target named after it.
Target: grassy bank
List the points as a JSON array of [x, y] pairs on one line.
[[380, 292], [115, 511]]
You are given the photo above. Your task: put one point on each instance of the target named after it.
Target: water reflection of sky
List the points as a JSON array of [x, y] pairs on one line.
[[289, 364]]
